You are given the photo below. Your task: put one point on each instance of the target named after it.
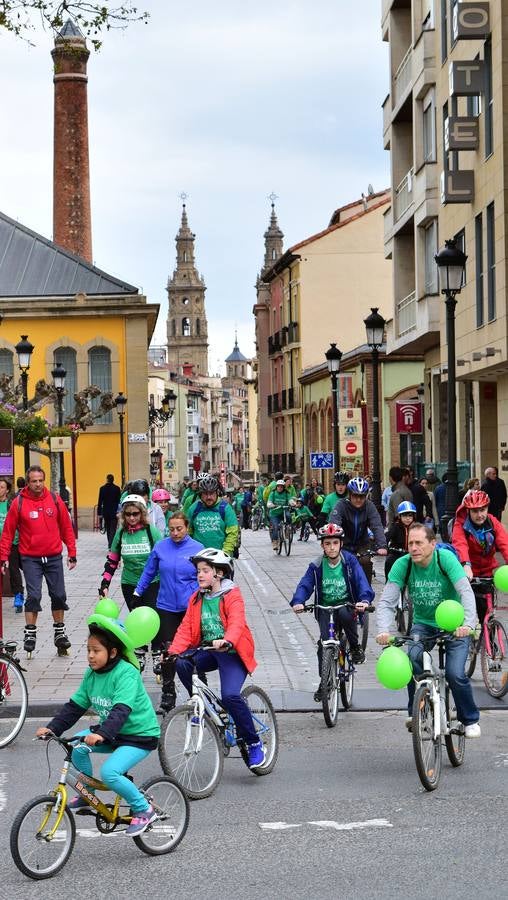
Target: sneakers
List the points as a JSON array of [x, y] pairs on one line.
[[409, 723], [141, 821], [18, 602], [473, 731], [318, 695], [256, 755], [77, 803], [357, 655]]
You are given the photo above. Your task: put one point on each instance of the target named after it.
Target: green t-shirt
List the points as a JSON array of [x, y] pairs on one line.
[[280, 499], [4, 507], [427, 587], [334, 587], [259, 492], [135, 550], [209, 528], [122, 684], [330, 502], [212, 628]]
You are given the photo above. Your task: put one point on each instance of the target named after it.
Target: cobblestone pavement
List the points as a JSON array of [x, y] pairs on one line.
[[285, 643]]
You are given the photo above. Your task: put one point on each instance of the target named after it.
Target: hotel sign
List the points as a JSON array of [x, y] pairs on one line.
[[457, 186], [461, 133], [471, 21]]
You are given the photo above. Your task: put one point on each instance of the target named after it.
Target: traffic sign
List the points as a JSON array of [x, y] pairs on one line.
[[351, 448], [319, 460]]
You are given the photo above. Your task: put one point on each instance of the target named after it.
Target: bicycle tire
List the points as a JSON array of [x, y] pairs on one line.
[[265, 721], [289, 538], [306, 532], [33, 856], [409, 607], [347, 679], [13, 700], [256, 520], [427, 750], [282, 540], [329, 687], [197, 772], [495, 665], [475, 645], [172, 807], [365, 631], [455, 743]]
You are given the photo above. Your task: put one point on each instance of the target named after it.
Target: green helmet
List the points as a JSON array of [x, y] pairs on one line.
[[117, 629]]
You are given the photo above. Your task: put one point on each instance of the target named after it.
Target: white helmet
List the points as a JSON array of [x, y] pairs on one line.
[[280, 482], [215, 558], [293, 501], [134, 498]]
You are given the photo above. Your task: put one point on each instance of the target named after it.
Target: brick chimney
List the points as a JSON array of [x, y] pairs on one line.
[[72, 225]]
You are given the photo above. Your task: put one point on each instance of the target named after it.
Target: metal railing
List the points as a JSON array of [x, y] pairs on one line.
[[406, 314], [403, 196], [403, 77]]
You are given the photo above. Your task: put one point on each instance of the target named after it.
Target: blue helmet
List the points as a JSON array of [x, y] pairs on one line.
[[406, 507], [358, 486]]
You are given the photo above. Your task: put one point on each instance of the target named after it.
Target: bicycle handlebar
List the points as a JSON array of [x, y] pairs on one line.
[[398, 640], [485, 580], [313, 606], [191, 651]]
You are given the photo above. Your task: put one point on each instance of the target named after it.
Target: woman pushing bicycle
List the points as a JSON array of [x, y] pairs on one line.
[[128, 729], [216, 614]]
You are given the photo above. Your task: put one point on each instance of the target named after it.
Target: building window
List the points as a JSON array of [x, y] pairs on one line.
[[185, 255], [186, 329], [460, 240], [478, 241], [489, 101], [444, 30], [67, 357], [474, 104], [429, 129], [99, 367], [453, 13], [430, 250], [198, 327], [445, 117], [491, 264], [6, 365], [173, 328]]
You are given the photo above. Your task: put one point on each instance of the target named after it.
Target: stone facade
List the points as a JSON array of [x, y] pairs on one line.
[[187, 326]]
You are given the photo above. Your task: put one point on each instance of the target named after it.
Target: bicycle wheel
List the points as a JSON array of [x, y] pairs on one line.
[[408, 603], [198, 771], [282, 539], [495, 663], [306, 532], [256, 519], [427, 748], [288, 529], [472, 654], [455, 742], [265, 722], [36, 852], [172, 808], [329, 687], [365, 631], [13, 700], [347, 679]]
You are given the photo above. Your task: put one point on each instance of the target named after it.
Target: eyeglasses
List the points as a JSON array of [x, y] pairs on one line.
[[135, 513]]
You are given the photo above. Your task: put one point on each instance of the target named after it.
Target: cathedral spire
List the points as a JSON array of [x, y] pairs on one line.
[[187, 323], [273, 238]]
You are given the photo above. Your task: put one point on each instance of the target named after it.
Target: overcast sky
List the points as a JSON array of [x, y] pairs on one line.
[[225, 101]]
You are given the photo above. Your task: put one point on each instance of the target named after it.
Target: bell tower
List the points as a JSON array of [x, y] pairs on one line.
[[187, 327]]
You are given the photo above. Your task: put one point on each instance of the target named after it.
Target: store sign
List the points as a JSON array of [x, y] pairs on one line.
[[6, 451], [409, 417], [457, 186], [461, 133], [467, 78], [471, 21]]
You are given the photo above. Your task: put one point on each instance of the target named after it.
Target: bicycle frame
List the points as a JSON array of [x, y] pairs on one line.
[[435, 680]]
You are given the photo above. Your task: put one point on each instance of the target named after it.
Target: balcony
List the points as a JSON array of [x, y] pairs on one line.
[[276, 404], [269, 404], [424, 64], [293, 333], [415, 327], [403, 195], [274, 343], [284, 335], [387, 119], [205, 438], [406, 314], [284, 404], [403, 78]]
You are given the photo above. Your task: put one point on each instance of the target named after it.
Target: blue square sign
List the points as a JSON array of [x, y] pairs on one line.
[[320, 460]]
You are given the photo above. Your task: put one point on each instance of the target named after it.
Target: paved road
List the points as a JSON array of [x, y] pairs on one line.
[[285, 643]]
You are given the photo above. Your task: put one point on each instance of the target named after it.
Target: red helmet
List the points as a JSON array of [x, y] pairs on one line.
[[331, 531], [476, 500]]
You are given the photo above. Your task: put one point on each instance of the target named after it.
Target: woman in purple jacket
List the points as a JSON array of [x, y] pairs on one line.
[[170, 559]]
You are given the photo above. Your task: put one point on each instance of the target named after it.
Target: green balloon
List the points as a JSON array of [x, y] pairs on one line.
[[449, 615], [393, 669], [501, 579], [107, 607], [142, 624]]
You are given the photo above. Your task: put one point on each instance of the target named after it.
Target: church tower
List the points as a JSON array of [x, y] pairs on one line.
[[236, 364], [273, 241], [187, 325]]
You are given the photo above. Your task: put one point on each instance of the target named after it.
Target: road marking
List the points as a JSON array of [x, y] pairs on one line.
[[277, 826], [325, 823], [3, 794], [259, 583], [501, 759]]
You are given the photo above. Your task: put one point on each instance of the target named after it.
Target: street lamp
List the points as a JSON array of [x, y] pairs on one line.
[[120, 403], [451, 264], [333, 357], [375, 328], [58, 374], [159, 417], [156, 464], [24, 349]]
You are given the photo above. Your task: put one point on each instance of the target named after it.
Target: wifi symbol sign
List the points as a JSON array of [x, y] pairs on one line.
[[409, 417]]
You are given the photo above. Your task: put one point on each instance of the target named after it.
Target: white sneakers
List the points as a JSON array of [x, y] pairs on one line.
[[473, 731]]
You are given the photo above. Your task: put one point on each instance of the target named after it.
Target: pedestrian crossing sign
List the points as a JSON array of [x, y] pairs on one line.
[[319, 460]]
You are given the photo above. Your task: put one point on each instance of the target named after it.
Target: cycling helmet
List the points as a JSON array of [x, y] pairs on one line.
[[215, 558], [341, 478], [209, 484], [135, 499], [331, 531], [476, 500], [280, 483], [140, 486], [358, 486], [161, 494], [278, 476], [293, 501], [406, 507]]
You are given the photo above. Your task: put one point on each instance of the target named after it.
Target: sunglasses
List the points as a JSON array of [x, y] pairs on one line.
[[129, 514]]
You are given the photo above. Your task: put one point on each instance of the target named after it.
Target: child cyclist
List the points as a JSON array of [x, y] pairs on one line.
[[128, 729], [216, 613], [397, 534], [335, 578], [300, 514]]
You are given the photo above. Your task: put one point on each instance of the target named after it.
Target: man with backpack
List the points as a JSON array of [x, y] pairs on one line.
[[43, 523], [430, 576], [212, 521]]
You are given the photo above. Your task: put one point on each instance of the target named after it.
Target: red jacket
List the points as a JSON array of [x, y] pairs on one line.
[[43, 523], [470, 550], [236, 630]]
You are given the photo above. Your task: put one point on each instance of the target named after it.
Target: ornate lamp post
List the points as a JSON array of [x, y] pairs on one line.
[[120, 403], [375, 328], [451, 263], [156, 464], [24, 349], [333, 357], [58, 374]]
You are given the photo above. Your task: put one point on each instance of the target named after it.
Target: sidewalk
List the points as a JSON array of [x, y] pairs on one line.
[[285, 643]]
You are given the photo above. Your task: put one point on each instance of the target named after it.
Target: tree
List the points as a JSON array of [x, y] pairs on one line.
[[22, 17]]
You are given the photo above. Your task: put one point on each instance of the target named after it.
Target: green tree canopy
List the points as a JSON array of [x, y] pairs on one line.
[[23, 17]]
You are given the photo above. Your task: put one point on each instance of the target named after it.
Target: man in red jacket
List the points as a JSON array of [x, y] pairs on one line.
[[43, 522]]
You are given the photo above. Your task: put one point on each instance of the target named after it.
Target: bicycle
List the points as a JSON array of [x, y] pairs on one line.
[[13, 693], [404, 608], [196, 736], [434, 716], [491, 643], [258, 517], [337, 667], [44, 831], [285, 532], [364, 620]]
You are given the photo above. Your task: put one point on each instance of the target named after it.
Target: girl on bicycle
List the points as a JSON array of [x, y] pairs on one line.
[[397, 534], [216, 614], [336, 577], [278, 501], [128, 729]]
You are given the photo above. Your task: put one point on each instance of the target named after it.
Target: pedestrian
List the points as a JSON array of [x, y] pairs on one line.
[[42, 521], [246, 506], [431, 520], [107, 507], [190, 495], [141, 487], [496, 489], [14, 559], [440, 498], [399, 479], [432, 478], [20, 484], [170, 561], [212, 521], [385, 501], [471, 484], [421, 500], [168, 504]]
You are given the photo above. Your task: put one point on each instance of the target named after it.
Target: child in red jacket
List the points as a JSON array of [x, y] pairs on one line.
[[216, 614]]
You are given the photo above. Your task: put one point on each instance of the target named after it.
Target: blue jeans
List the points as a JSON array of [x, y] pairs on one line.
[[456, 651], [113, 771], [232, 675]]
